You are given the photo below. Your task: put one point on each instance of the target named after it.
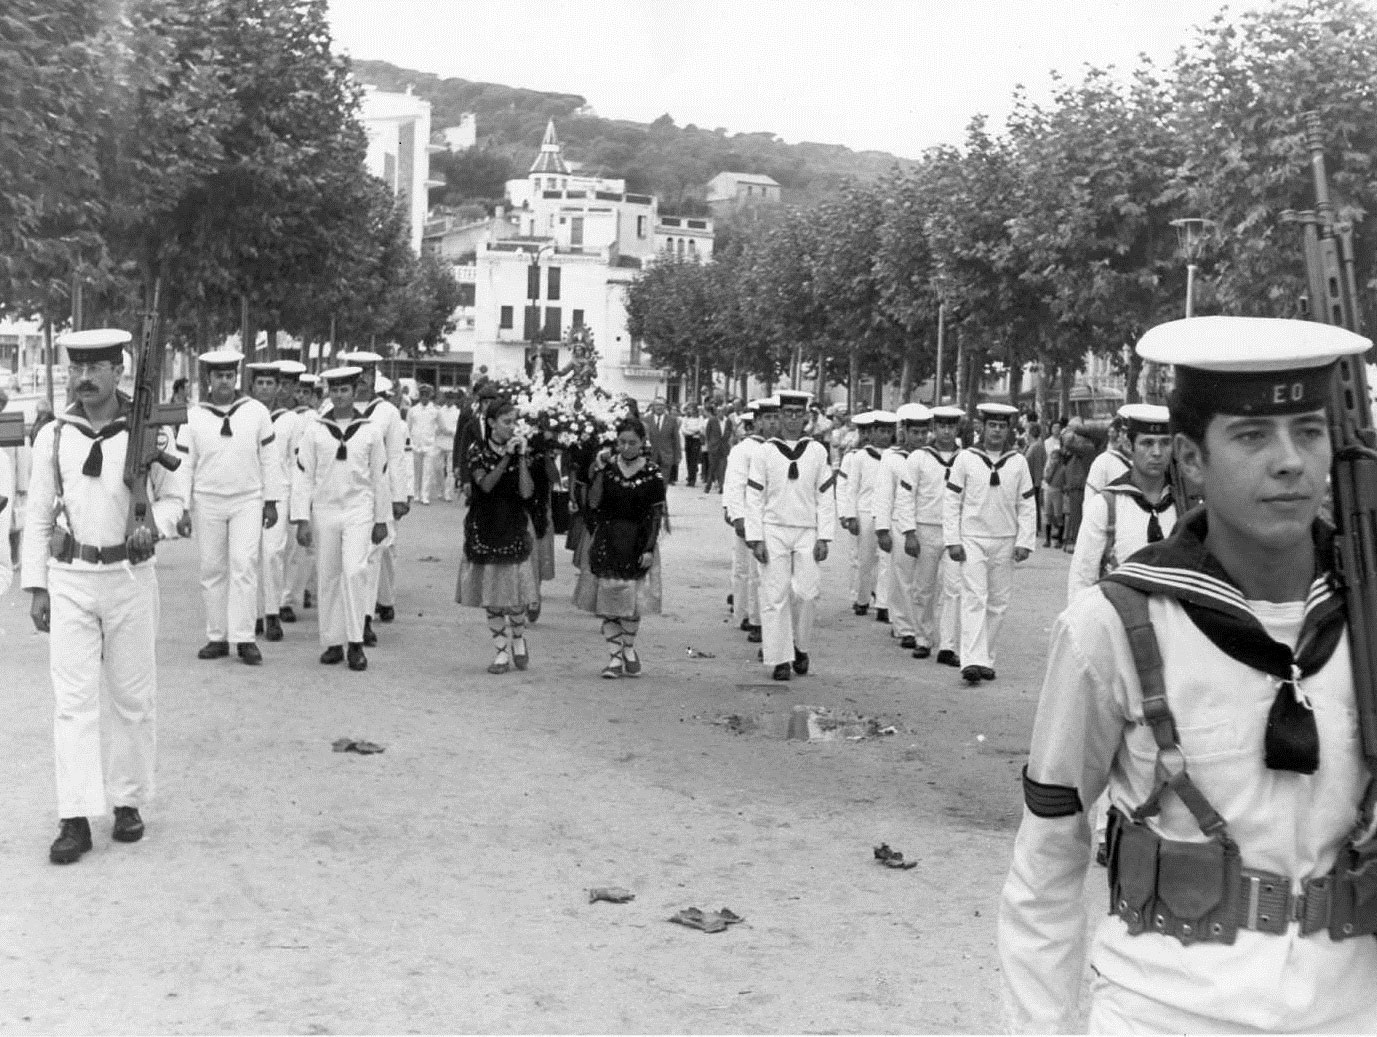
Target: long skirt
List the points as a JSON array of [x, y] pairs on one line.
[[508, 586], [604, 596]]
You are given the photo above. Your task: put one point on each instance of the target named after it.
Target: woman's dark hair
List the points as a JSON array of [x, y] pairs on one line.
[[632, 425], [497, 408]]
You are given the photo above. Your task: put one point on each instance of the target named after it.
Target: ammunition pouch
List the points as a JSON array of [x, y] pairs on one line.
[[61, 545], [1353, 893], [1186, 890]]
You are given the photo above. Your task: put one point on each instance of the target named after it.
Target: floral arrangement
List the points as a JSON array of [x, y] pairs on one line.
[[568, 408]]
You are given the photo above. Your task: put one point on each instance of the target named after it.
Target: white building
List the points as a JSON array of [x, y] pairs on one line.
[[399, 150], [729, 191], [583, 241], [463, 136]]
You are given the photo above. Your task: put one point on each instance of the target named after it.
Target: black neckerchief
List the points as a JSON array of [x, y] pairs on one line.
[[872, 451], [1181, 567], [343, 433], [1124, 486], [992, 465], [226, 414], [946, 462], [793, 453], [75, 417]]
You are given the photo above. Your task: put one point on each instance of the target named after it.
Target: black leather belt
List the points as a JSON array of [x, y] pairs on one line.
[[1266, 904], [100, 555]]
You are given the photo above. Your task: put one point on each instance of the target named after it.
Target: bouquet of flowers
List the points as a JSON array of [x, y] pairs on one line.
[[568, 408]]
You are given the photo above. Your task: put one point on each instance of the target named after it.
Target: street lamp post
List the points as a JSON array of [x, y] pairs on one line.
[[1191, 234], [535, 345]]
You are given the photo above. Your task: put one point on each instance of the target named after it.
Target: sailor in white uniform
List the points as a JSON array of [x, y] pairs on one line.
[[893, 507], [236, 483], [937, 576], [1135, 509], [856, 510], [95, 592], [762, 416], [341, 501], [989, 522], [790, 520], [300, 576]]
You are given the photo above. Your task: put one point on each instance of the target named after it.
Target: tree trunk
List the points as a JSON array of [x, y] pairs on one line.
[[1135, 367], [1064, 391], [1040, 389], [1015, 379], [853, 379], [906, 377], [820, 382], [272, 344]]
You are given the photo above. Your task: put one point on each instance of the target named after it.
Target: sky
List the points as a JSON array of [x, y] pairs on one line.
[[892, 75]]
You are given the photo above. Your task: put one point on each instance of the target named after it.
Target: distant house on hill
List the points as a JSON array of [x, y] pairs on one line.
[[728, 191]]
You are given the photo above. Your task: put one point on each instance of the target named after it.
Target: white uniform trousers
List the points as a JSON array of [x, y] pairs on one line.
[[745, 583], [987, 581], [790, 583], [867, 562], [900, 595], [936, 590], [382, 572], [882, 588], [345, 560], [428, 468], [300, 572], [272, 564], [447, 474], [103, 636], [227, 531]]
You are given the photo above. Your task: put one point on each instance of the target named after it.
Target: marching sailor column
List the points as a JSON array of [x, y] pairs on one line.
[[95, 591], [382, 564], [989, 522], [745, 569], [236, 482], [790, 519], [856, 507], [882, 424], [895, 513], [341, 501], [937, 576]]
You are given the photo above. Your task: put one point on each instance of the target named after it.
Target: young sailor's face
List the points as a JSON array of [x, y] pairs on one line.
[[996, 435], [944, 434], [222, 385], [265, 389], [767, 424], [881, 436], [342, 395], [791, 421], [1264, 476], [1151, 454]]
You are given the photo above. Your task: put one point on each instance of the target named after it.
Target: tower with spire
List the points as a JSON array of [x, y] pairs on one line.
[[550, 161]]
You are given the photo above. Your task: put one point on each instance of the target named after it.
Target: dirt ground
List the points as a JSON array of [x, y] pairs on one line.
[[442, 885]]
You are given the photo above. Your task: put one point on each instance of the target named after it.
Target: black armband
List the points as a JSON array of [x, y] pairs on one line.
[[1050, 800]]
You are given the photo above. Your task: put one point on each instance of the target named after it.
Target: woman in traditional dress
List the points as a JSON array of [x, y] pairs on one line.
[[496, 574], [621, 582]]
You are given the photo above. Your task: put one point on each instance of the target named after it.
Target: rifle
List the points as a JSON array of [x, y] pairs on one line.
[[1334, 300], [145, 417]]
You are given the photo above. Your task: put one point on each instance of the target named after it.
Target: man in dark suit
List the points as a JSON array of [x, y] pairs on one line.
[[662, 433]]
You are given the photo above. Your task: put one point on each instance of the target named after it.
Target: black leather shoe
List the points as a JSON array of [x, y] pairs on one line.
[[970, 674], [800, 663], [948, 658], [908, 641], [922, 652], [746, 624], [781, 672], [860, 610], [333, 654], [249, 653], [533, 613], [986, 674], [272, 629], [257, 628], [882, 615], [214, 650], [357, 660], [128, 825], [73, 839], [369, 638], [287, 614], [308, 600], [755, 636], [386, 613]]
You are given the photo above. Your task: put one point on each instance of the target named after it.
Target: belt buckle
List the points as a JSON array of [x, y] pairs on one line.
[[1295, 903]]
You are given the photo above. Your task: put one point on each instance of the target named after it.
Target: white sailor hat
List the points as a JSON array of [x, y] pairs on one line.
[[1146, 419], [995, 411], [263, 367], [382, 384], [221, 358], [913, 414], [883, 417], [946, 412], [361, 358], [348, 373], [307, 378], [291, 368], [765, 405], [864, 419], [1250, 365], [793, 398], [95, 345]]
